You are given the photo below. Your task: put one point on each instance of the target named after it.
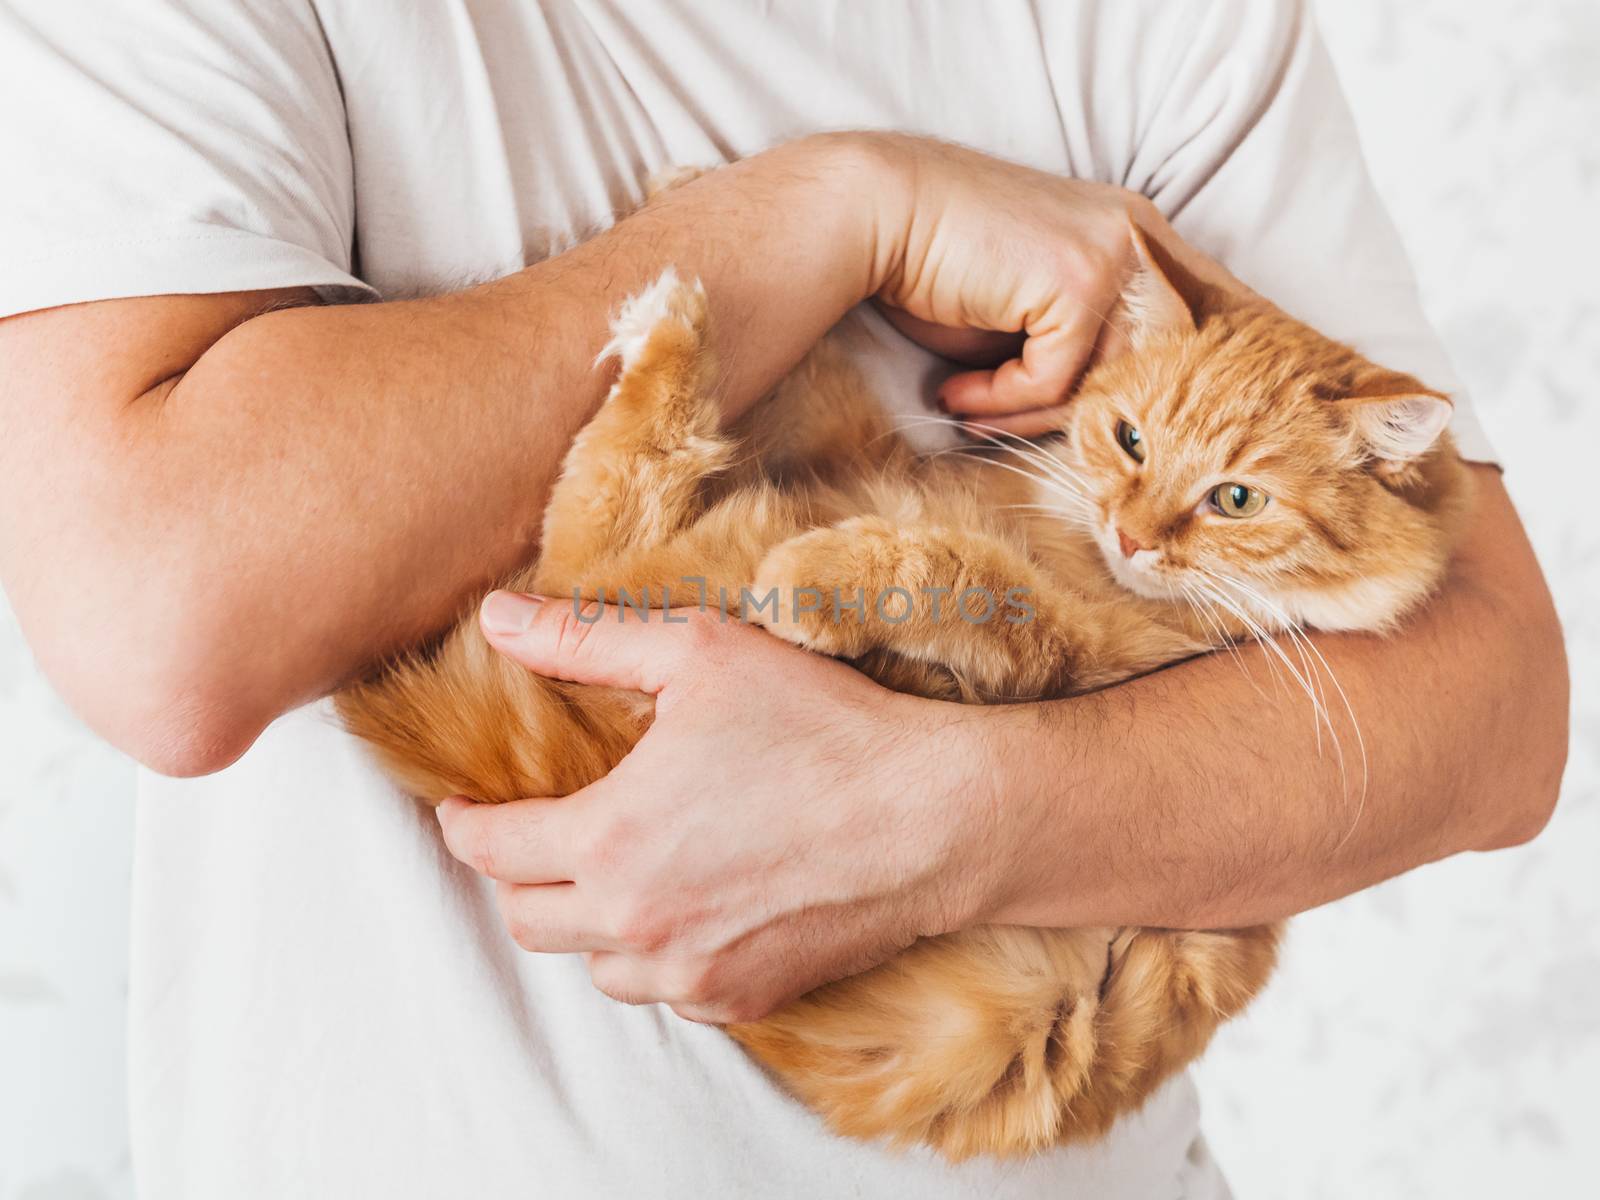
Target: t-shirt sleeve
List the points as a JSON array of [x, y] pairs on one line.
[[170, 146], [1251, 151]]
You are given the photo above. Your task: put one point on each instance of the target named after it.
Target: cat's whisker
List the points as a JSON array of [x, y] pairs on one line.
[[964, 447], [1301, 645], [988, 435], [1043, 481], [903, 420], [1053, 509], [1361, 745], [1290, 627], [1080, 504], [1056, 485], [923, 418], [1005, 466], [1308, 646], [1320, 704], [1054, 468], [1015, 443], [1261, 633], [1221, 602], [1045, 469], [1209, 619], [1265, 637], [1072, 517], [1297, 639], [1205, 611]]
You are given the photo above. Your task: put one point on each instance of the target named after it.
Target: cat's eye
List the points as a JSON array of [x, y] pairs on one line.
[[1131, 440], [1236, 500]]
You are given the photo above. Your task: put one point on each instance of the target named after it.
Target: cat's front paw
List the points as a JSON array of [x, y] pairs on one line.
[[832, 590]]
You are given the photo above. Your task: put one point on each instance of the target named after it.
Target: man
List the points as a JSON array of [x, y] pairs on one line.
[[228, 489]]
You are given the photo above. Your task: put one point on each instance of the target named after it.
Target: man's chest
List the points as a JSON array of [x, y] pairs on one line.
[[487, 134]]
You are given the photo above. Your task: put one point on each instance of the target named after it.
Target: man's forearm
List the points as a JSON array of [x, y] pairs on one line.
[[326, 484], [1199, 797]]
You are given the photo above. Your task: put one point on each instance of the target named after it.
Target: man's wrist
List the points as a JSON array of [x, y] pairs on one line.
[[867, 178], [986, 805]]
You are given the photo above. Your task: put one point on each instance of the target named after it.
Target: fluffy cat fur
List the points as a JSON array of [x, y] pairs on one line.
[[995, 1040]]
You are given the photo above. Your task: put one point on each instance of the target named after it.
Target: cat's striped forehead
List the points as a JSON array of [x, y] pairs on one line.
[[1246, 396]]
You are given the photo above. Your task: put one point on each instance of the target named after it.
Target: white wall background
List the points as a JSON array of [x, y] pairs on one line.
[[1438, 1036]]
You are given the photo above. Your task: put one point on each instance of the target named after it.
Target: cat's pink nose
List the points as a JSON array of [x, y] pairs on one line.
[[1129, 546]]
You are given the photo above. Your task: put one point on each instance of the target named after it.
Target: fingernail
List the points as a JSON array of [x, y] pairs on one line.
[[449, 802], [508, 613]]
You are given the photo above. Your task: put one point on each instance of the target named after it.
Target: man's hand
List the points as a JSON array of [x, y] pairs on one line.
[[169, 463], [992, 262], [784, 822]]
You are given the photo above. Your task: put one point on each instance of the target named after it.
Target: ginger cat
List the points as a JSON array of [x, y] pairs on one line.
[[1232, 475]]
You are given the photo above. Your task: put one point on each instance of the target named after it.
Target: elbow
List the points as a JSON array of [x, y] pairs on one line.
[[1527, 813], [179, 733], [169, 716], [130, 593], [181, 753], [188, 713], [151, 682]]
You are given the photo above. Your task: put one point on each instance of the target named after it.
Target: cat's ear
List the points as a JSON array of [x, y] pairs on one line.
[[1158, 297], [1399, 427]]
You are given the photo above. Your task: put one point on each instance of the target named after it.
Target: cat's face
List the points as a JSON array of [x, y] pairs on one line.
[[1242, 458]]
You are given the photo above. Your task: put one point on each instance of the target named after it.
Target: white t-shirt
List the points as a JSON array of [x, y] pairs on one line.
[[323, 1002]]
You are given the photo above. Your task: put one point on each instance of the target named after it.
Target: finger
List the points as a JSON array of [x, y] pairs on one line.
[[974, 347], [524, 841], [551, 918], [590, 643], [1052, 359], [968, 394]]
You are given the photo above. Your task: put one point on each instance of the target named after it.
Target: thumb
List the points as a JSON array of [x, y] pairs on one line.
[[583, 642], [1054, 355]]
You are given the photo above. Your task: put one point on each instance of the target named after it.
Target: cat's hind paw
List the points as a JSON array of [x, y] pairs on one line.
[[670, 304]]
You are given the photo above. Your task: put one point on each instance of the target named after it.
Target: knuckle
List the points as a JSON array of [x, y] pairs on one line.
[[610, 980], [1085, 263], [612, 991], [517, 923], [692, 981], [524, 935], [704, 634], [1103, 252], [704, 1014], [738, 1012], [481, 853], [642, 928], [605, 849]]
